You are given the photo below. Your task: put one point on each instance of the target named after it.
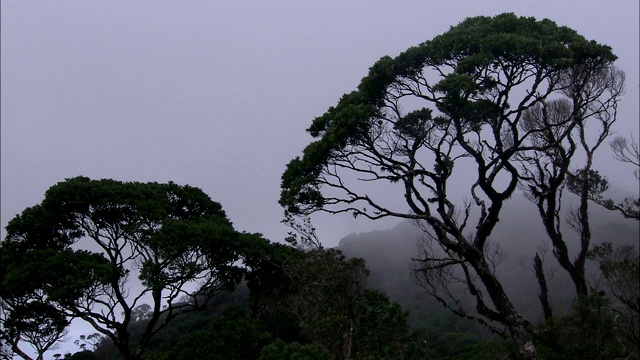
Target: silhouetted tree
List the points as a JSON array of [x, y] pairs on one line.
[[565, 133], [35, 322], [174, 239], [626, 152], [450, 109], [93, 340]]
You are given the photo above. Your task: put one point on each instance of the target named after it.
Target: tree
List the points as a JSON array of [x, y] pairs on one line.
[[329, 291], [448, 110], [233, 336], [35, 322], [270, 284], [322, 293], [77, 254], [336, 311], [93, 340], [279, 350], [382, 332], [565, 130], [621, 272], [545, 181], [625, 152]]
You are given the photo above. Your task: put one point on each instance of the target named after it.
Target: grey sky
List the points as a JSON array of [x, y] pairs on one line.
[[217, 94]]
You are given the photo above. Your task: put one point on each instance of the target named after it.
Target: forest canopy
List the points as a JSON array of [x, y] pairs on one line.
[[97, 250]]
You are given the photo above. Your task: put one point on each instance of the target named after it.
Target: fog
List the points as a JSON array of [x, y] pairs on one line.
[[217, 95], [519, 235]]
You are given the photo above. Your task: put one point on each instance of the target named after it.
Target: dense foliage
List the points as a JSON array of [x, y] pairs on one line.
[[96, 250], [323, 312]]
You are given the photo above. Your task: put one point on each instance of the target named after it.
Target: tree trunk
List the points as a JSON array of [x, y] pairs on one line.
[[19, 351], [516, 324], [348, 339], [524, 340], [544, 292]]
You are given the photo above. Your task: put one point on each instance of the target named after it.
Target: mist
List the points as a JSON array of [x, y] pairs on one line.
[[520, 235], [218, 96]]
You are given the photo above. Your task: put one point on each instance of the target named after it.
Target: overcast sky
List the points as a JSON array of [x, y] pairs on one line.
[[218, 94]]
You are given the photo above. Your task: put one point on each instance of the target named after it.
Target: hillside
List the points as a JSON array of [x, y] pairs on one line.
[[389, 255]]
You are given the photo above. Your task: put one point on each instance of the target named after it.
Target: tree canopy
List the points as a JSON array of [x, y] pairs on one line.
[[460, 108], [98, 249]]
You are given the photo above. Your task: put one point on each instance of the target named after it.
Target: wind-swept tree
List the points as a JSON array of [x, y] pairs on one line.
[[450, 110], [97, 250], [627, 152], [565, 130]]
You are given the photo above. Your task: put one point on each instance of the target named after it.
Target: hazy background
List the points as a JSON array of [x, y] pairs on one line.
[[218, 94]]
